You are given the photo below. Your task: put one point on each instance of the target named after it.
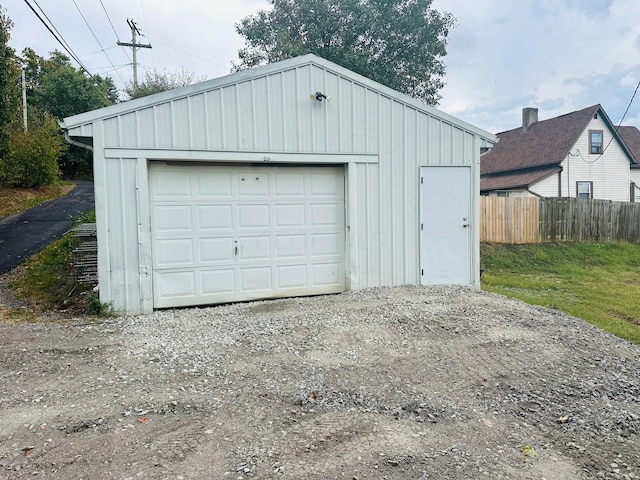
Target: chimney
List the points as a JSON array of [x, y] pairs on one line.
[[529, 117]]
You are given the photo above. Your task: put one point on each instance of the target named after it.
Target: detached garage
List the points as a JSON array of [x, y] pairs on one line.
[[296, 178]]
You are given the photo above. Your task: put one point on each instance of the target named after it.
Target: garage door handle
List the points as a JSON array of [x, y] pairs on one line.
[[236, 250]]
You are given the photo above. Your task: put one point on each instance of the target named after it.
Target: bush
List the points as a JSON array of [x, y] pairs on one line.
[[33, 156]]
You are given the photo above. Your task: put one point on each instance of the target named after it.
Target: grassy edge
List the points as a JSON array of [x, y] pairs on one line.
[[599, 283]]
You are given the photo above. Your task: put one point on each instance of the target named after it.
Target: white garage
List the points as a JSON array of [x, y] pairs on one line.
[[296, 178]]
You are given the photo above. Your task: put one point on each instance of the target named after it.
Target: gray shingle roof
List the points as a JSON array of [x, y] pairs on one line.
[[631, 137], [545, 143]]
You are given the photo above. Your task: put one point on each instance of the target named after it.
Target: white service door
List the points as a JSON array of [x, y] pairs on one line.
[[445, 221], [232, 233]]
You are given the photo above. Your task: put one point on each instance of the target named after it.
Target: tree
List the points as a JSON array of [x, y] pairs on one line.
[[56, 88], [156, 82], [399, 43], [9, 83]]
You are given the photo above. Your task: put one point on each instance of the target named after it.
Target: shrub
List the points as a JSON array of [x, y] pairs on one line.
[[33, 156]]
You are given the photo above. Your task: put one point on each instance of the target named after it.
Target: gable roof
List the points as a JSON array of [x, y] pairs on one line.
[[87, 118], [545, 143], [631, 138]]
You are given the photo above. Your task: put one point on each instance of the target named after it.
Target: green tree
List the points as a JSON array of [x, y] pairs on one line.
[[399, 43], [56, 88], [155, 82], [9, 83], [32, 157]]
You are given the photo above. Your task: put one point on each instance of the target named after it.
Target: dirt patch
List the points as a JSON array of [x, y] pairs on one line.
[[393, 383]]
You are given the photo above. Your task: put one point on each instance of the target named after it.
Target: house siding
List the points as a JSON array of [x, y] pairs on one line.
[[635, 178], [274, 116], [609, 172], [547, 187]]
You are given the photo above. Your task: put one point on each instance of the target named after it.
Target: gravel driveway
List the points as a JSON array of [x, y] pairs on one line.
[[388, 383]]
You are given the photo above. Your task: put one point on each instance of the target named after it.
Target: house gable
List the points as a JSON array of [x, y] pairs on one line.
[[550, 156]]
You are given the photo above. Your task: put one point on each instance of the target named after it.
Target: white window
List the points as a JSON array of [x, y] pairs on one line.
[[502, 193], [595, 141], [584, 189]]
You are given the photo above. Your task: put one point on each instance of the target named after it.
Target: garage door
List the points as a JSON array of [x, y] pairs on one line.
[[231, 233]]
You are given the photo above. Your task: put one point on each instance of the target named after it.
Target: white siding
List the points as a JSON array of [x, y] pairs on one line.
[[635, 178], [547, 187], [273, 114], [610, 172]]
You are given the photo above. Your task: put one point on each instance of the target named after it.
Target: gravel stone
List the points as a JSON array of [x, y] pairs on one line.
[[396, 383]]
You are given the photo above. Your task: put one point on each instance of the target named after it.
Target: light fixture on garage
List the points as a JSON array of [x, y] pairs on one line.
[[319, 96]]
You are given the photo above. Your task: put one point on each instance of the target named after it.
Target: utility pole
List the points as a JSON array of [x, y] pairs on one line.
[[24, 100], [134, 47]]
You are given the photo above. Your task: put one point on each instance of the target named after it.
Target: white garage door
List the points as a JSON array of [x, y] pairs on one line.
[[231, 233]]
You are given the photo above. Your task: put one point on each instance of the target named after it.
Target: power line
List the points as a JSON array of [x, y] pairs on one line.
[[58, 37], [94, 36]]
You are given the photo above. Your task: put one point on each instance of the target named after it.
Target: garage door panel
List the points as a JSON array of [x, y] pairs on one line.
[[231, 233], [324, 184], [326, 214], [215, 217], [253, 184], [216, 249], [254, 248], [174, 252], [213, 183], [326, 274], [324, 244], [255, 278], [292, 276], [173, 218], [217, 281], [171, 184], [289, 185], [290, 215], [291, 246], [175, 284], [253, 216]]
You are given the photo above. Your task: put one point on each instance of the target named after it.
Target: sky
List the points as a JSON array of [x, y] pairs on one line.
[[503, 55]]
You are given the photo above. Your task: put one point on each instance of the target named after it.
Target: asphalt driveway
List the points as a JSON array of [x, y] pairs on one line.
[[29, 232]]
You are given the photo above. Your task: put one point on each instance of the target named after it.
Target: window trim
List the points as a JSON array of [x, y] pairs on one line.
[[591, 145], [502, 193], [590, 189]]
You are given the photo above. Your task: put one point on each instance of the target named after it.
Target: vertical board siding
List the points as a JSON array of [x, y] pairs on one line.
[[164, 126], [146, 126], [122, 237], [180, 124], [198, 122]]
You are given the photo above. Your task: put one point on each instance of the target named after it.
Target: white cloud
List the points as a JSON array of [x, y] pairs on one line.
[[502, 56]]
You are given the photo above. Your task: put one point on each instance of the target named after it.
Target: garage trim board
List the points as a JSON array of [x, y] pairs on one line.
[[228, 233]]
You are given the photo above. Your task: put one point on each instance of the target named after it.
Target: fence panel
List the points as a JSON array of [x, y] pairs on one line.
[[533, 220], [509, 220]]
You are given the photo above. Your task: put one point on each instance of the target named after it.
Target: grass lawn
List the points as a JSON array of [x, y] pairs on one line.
[[16, 200], [599, 283]]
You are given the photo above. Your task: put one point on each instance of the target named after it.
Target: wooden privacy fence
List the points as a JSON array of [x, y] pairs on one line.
[[533, 220]]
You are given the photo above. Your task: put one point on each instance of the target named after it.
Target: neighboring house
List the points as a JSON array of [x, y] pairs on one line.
[[580, 154], [631, 138], [255, 186]]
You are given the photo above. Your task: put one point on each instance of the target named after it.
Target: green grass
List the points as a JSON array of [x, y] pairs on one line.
[[599, 283]]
